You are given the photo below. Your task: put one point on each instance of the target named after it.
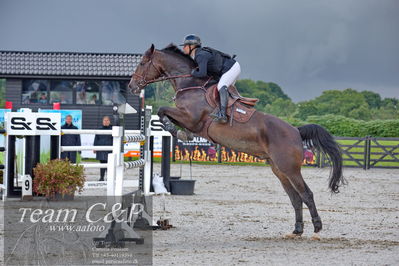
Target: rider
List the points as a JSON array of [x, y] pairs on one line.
[[216, 64]]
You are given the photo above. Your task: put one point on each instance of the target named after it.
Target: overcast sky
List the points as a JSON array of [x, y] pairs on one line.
[[305, 46]]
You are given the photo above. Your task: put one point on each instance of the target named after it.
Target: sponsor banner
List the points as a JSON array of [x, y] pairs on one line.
[[2, 124], [199, 149], [76, 121], [132, 151], [76, 116], [231, 156], [30, 124]]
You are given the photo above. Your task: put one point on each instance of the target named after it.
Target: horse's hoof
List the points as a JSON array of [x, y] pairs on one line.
[[315, 236], [292, 236], [182, 135]]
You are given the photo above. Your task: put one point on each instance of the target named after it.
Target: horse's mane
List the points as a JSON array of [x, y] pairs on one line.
[[173, 49]]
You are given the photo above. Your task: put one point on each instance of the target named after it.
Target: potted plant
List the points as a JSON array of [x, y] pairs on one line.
[[58, 179]]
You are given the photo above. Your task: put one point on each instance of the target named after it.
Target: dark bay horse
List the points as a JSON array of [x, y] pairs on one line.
[[264, 136]]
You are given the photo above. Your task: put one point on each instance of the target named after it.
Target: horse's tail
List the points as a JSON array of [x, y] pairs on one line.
[[315, 136]]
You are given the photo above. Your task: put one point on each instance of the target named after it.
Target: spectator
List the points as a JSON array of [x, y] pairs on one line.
[[43, 98], [81, 97], [69, 140], [94, 100], [103, 140]]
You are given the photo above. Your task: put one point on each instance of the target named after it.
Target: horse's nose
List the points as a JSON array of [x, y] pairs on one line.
[[134, 88], [132, 84]]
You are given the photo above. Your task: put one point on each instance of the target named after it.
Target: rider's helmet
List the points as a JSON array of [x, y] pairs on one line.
[[192, 39]]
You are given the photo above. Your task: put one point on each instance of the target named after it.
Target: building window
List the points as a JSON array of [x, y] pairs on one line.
[[87, 92], [35, 91], [112, 91], [61, 92]]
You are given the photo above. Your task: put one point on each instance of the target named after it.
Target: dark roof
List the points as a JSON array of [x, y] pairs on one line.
[[67, 64]]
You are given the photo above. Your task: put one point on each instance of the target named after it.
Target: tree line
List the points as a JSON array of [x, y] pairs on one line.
[[363, 105], [346, 112]]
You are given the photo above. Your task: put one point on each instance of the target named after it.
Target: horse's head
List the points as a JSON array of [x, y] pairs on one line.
[[147, 71]]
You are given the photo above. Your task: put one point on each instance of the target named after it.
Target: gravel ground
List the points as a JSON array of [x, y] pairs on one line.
[[240, 214]]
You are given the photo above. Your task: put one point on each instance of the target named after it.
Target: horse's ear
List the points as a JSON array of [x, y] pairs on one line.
[[150, 51], [152, 48]]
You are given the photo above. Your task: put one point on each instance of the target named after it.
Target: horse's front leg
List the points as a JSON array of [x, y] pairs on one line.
[[170, 117]]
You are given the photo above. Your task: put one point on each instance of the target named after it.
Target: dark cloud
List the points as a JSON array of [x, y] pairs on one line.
[[305, 46]]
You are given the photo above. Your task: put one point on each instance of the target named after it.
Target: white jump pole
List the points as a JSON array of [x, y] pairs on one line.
[[86, 148], [147, 154]]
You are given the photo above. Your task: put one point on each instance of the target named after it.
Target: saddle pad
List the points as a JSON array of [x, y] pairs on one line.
[[240, 112]]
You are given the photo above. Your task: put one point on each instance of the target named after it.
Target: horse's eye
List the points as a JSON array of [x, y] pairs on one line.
[[141, 64]]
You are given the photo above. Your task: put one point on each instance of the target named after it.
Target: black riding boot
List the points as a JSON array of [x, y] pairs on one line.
[[221, 115]]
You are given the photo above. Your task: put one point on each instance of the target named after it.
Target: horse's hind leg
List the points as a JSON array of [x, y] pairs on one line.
[[307, 197], [296, 201], [291, 168]]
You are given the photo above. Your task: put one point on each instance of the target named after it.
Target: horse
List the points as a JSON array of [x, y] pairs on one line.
[[264, 136]]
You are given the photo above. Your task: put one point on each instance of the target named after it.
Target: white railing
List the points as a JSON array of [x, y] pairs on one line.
[[115, 165]]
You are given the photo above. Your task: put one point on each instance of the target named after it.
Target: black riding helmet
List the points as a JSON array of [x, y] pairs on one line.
[[191, 39]]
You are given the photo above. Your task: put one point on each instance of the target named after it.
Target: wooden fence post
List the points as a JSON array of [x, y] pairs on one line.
[[368, 140]]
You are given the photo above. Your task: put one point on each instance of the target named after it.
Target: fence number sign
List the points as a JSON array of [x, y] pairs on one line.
[[26, 186], [30, 124]]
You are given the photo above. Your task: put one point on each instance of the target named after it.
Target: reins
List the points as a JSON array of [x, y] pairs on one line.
[[194, 87], [143, 82]]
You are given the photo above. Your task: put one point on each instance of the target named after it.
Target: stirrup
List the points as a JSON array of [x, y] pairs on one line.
[[219, 117]]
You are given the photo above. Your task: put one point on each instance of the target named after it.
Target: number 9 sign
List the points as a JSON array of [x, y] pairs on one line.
[[27, 187]]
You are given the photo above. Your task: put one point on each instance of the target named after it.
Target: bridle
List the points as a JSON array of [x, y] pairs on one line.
[[142, 82]]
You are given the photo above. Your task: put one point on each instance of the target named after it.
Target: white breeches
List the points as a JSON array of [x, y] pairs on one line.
[[230, 77]]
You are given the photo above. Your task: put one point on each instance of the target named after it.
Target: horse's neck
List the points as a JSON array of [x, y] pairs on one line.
[[188, 82], [176, 68]]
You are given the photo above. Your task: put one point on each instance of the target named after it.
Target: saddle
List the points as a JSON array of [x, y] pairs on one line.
[[239, 108]]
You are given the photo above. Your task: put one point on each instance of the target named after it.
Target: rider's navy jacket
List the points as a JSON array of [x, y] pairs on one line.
[[211, 64]]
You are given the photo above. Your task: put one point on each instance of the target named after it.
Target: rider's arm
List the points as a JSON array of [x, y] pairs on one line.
[[202, 61]]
